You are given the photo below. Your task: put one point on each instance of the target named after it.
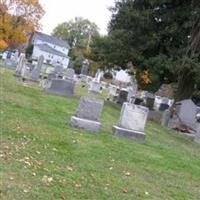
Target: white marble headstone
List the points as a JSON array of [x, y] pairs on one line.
[[133, 117]]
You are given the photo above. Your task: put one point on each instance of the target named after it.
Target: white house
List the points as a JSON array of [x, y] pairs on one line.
[[53, 49]]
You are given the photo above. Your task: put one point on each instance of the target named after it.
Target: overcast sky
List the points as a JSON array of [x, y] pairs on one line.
[[58, 11]]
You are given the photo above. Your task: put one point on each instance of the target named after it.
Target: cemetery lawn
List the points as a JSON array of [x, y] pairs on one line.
[[43, 158]]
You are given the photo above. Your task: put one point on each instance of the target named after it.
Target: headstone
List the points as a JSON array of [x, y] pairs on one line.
[[10, 63], [85, 66], [70, 73], [88, 115], [58, 69], [95, 87], [132, 91], [165, 118], [123, 94], [150, 98], [184, 116], [61, 87], [98, 76], [20, 65], [132, 122], [35, 75], [138, 101]]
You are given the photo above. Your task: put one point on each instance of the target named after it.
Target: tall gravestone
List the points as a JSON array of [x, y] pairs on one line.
[[70, 73], [88, 114], [61, 87], [132, 122], [84, 68], [35, 75], [132, 91], [150, 99], [20, 65], [184, 116]]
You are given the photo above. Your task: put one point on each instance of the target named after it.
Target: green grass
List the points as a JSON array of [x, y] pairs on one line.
[[37, 141]]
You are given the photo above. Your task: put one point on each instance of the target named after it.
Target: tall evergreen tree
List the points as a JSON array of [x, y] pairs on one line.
[[156, 34]]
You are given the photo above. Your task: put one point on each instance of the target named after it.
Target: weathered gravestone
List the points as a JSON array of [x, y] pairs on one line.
[[184, 116], [61, 87], [132, 91], [88, 115], [123, 94], [46, 82], [20, 65], [165, 118], [150, 99], [132, 122], [70, 73], [10, 63], [113, 92], [58, 69], [84, 68], [95, 87], [35, 75]]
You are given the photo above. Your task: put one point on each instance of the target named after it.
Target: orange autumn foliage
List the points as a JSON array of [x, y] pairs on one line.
[[17, 19], [3, 44], [145, 77]]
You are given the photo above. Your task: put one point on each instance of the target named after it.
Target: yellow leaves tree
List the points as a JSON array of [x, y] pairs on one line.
[[18, 18], [145, 78]]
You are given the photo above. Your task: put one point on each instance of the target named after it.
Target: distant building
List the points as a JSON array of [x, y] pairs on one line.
[[53, 49]]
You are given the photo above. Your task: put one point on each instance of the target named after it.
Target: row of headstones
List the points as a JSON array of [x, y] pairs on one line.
[[147, 99], [131, 123], [28, 71]]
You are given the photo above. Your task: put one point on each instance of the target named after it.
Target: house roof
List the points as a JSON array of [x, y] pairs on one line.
[[51, 39], [47, 48]]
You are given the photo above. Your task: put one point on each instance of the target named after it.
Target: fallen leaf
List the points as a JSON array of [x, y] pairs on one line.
[[34, 174], [111, 168], [127, 173], [125, 190], [77, 185], [69, 168], [146, 193], [47, 179]]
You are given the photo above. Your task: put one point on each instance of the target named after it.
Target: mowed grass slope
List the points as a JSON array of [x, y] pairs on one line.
[[42, 157]]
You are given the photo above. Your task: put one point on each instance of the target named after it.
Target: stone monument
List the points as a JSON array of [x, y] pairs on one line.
[[61, 87], [20, 65], [184, 116], [88, 114], [132, 122], [35, 75]]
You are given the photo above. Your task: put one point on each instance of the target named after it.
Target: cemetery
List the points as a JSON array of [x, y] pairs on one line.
[[86, 115]]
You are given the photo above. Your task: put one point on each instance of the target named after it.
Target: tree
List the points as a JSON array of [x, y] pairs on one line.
[[17, 19], [154, 35], [78, 32]]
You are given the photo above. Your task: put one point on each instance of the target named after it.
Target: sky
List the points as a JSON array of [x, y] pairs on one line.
[[58, 11]]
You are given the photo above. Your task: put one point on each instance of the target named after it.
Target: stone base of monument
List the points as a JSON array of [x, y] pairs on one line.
[[130, 134], [85, 124]]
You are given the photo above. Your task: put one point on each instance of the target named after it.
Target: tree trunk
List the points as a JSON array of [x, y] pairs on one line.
[[186, 85]]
